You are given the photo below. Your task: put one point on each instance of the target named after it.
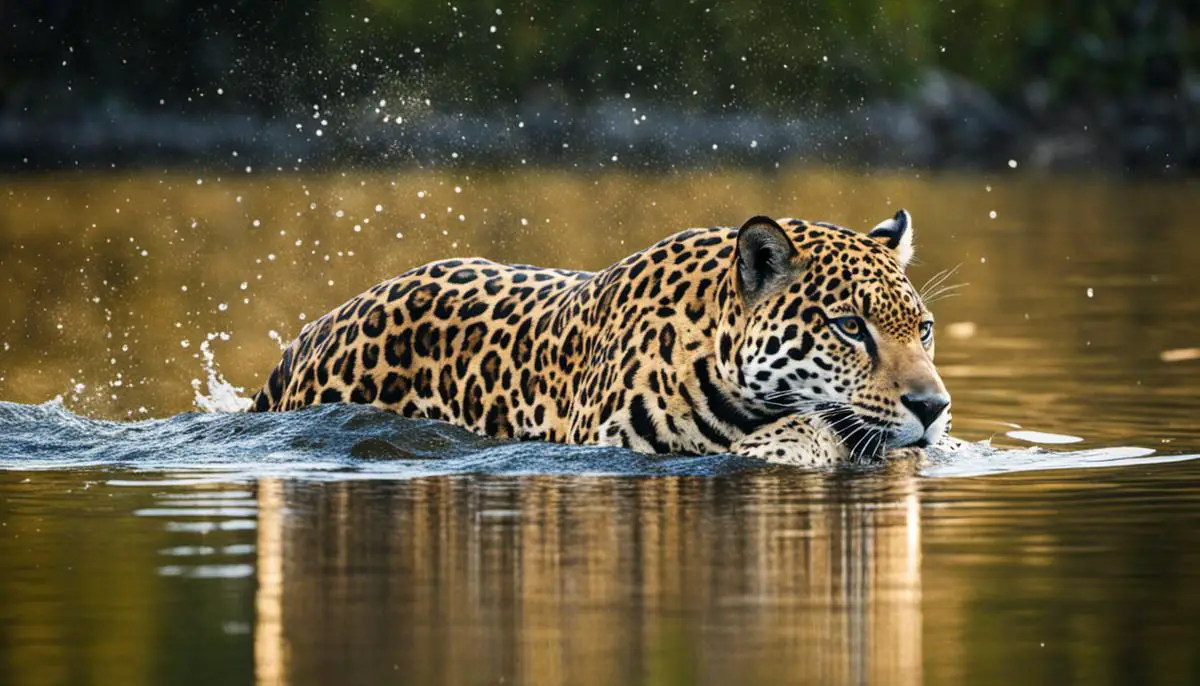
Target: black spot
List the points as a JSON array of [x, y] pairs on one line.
[[401, 289], [275, 384], [420, 300], [497, 422], [395, 386], [463, 276], [425, 341], [332, 395], [472, 401], [444, 307], [422, 383], [726, 347], [447, 388], [472, 309], [370, 356], [504, 308], [398, 351], [489, 369], [718, 404], [365, 392], [348, 367], [346, 311], [631, 374], [640, 422], [666, 343], [806, 344], [375, 322]]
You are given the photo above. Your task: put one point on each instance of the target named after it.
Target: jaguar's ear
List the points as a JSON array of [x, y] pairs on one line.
[[896, 234], [765, 257]]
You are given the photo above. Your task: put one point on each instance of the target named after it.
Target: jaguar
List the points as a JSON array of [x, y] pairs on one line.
[[795, 341]]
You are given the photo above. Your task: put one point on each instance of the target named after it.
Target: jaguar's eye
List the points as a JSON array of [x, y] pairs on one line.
[[926, 330], [851, 327]]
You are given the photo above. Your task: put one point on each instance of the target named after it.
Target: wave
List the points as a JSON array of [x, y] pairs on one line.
[[358, 441]]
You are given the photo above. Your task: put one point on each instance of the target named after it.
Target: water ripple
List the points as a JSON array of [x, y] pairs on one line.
[[337, 442]]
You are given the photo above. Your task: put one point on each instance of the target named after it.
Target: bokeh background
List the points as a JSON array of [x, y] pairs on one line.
[[1080, 84]]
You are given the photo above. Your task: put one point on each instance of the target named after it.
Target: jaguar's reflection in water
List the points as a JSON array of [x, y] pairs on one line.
[[761, 578]]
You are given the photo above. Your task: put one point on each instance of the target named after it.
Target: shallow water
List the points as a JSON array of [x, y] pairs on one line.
[[140, 543]]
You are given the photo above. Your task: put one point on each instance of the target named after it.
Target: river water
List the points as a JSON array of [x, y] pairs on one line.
[[145, 542]]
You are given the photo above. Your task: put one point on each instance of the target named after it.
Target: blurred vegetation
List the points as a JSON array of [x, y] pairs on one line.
[[780, 56]]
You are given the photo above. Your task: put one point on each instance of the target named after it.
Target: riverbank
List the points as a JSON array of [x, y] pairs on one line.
[[946, 123]]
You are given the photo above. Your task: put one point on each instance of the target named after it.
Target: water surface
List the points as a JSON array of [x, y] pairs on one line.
[[144, 542]]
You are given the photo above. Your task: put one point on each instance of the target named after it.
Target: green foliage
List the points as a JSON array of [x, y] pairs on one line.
[[773, 55]]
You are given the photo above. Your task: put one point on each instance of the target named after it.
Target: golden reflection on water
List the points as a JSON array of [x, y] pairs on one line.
[[771, 577], [113, 284], [270, 652], [553, 580]]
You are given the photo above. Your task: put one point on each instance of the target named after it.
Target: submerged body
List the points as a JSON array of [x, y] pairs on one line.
[[793, 341]]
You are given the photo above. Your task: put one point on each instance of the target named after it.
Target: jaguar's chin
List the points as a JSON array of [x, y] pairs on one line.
[[862, 437], [906, 437]]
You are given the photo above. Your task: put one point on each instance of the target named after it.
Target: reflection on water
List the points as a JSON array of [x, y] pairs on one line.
[[756, 578], [574, 581]]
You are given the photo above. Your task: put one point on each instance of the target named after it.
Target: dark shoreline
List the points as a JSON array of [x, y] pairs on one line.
[[948, 124]]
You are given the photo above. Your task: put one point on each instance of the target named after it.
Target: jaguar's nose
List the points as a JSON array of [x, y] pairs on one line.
[[927, 407]]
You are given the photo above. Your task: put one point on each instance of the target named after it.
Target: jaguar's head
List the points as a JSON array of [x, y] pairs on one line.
[[826, 322]]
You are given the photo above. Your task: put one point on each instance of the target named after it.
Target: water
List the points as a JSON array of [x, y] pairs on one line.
[[142, 541]]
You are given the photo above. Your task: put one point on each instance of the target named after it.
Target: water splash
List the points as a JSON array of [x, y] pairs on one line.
[[343, 442], [222, 396]]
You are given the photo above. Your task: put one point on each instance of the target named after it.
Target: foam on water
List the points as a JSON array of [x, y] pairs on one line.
[[222, 396], [363, 442]]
